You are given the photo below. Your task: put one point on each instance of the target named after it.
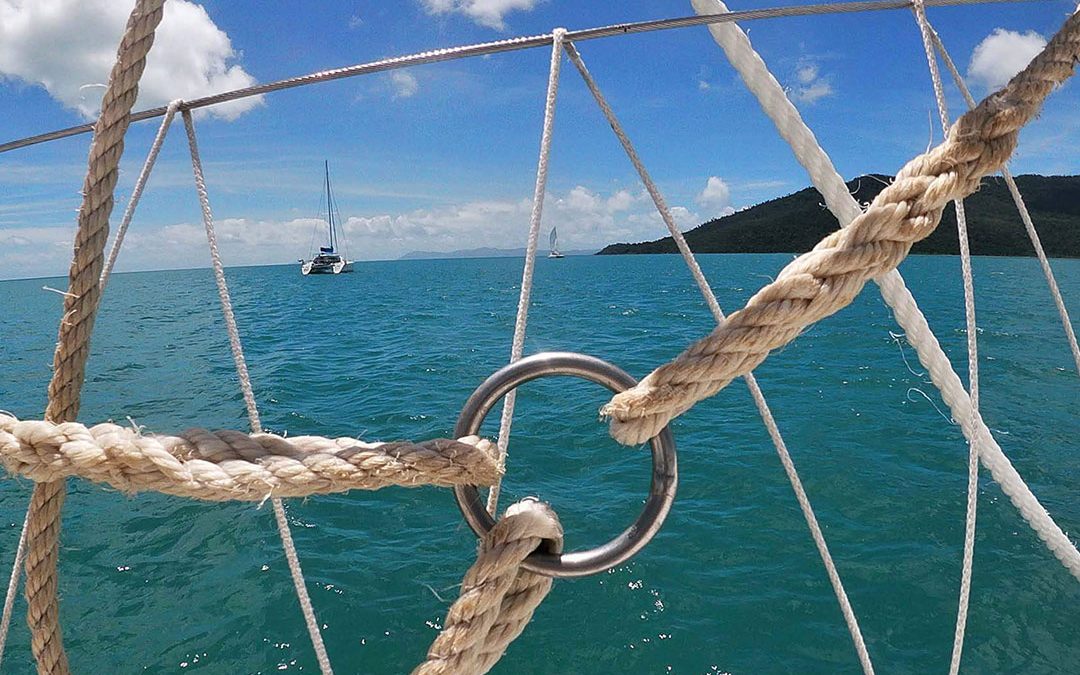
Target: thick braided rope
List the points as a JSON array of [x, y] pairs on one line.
[[498, 596], [80, 306], [517, 346], [828, 278], [971, 508], [232, 465], [756, 394]]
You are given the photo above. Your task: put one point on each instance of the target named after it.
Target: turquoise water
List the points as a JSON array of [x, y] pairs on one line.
[[732, 583]]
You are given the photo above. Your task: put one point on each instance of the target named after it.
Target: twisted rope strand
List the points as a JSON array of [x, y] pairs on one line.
[[821, 282], [756, 394], [232, 465], [73, 344], [498, 596]]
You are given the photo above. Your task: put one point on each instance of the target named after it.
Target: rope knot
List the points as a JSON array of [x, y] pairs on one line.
[[498, 596]]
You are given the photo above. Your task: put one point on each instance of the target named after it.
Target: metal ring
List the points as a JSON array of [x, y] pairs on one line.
[[664, 468]]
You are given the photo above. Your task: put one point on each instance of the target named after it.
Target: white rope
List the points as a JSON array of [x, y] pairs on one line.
[[1021, 207], [751, 382], [13, 585], [137, 191], [249, 400], [973, 360], [522, 320], [840, 202]]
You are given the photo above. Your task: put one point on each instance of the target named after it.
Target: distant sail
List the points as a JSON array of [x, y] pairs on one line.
[[553, 243]]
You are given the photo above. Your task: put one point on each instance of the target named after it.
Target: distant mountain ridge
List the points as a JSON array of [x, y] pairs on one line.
[[483, 252], [796, 222]]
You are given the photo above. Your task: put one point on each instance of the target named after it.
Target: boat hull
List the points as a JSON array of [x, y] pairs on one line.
[[312, 267]]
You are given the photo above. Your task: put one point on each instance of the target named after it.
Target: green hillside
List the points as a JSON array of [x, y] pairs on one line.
[[798, 221]]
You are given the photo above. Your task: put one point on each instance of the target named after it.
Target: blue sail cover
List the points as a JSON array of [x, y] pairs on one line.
[[326, 249]]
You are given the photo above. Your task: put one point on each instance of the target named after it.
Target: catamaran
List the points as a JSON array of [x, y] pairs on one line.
[[553, 243], [328, 261]]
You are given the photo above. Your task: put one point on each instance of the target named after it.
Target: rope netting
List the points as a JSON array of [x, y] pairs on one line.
[[500, 592]]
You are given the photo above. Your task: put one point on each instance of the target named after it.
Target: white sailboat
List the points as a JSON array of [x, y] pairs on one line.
[[328, 261], [553, 243]]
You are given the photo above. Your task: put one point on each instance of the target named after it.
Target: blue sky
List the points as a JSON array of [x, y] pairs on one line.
[[443, 156]]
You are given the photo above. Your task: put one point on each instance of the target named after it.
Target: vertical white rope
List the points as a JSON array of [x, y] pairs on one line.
[[137, 191], [13, 585], [1021, 207], [219, 278], [249, 400], [751, 382], [973, 359], [521, 322], [839, 201]]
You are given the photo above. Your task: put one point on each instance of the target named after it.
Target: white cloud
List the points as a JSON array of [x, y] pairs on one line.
[[810, 85], [620, 201], [716, 193], [69, 46], [807, 73], [703, 77], [488, 13], [716, 197], [1001, 55], [814, 92], [587, 219], [404, 84]]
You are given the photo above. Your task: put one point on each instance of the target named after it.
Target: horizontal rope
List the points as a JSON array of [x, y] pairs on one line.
[[231, 465], [499, 46], [823, 281]]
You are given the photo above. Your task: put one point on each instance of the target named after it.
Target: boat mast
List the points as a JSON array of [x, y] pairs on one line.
[[329, 205]]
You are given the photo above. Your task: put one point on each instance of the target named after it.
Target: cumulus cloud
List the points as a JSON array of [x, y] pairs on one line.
[[69, 46], [810, 85], [716, 197], [404, 84], [1001, 55], [488, 13]]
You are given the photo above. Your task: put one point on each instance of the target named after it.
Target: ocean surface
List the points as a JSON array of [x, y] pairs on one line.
[[731, 584]]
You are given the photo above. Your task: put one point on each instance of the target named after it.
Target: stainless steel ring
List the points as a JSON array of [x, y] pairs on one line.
[[664, 467]]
